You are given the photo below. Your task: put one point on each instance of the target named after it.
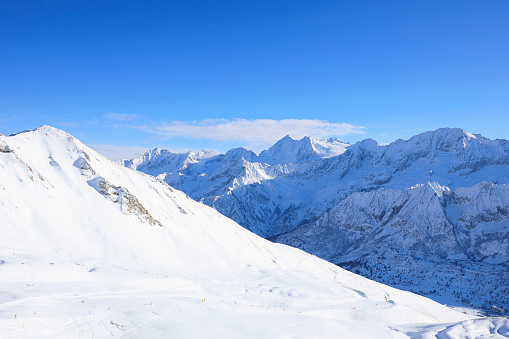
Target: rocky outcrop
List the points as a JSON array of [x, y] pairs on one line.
[[128, 203]]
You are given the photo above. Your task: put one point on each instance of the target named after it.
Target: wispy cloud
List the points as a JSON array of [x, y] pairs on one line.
[[121, 117], [255, 132]]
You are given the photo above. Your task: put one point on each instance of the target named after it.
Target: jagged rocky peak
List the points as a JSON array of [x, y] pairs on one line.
[[443, 139], [239, 153], [285, 148], [203, 154], [160, 160], [367, 145], [162, 152], [156, 154], [288, 150], [329, 147], [434, 187]]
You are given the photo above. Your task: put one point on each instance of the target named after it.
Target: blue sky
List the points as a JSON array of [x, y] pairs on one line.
[[221, 74]]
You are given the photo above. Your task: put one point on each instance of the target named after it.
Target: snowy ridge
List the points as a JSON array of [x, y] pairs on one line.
[[283, 193], [81, 257], [152, 162]]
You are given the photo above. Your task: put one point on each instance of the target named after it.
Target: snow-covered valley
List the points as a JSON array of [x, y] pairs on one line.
[[92, 249], [438, 202]]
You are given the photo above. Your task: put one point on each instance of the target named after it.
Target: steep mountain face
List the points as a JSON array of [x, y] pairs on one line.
[[429, 220], [438, 197], [92, 249], [288, 150]]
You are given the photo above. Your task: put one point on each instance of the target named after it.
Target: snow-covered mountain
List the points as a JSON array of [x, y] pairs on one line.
[[92, 249], [153, 161], [288, 150], [450, 245], [430, 220], [438, 197]]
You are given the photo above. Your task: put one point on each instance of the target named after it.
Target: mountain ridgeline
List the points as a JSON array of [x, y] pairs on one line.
[[434, 206]]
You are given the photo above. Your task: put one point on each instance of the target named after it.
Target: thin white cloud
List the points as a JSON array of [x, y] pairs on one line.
[[120, 116], [256, 132]]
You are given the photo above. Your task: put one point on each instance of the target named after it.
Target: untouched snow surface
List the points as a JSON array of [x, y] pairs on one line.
[[92, 249]]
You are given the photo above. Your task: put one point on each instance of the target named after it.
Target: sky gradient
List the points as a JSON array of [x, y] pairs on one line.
[[182, 74]]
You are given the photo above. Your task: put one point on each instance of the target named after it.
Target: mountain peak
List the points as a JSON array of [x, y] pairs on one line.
[[289, 150], [434, 187], [448, 132], [42, 128]]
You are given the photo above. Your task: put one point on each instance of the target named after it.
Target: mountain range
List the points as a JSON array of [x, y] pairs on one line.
[[90, 248], [429, 214]]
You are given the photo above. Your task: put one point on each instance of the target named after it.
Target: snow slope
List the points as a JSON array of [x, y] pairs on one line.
[[93, 249]]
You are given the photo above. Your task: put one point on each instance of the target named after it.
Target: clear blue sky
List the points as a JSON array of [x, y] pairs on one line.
[[160, 73]]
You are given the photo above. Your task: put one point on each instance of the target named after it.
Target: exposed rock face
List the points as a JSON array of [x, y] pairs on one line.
[[5, 149], [129, 204], [83, 164]]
